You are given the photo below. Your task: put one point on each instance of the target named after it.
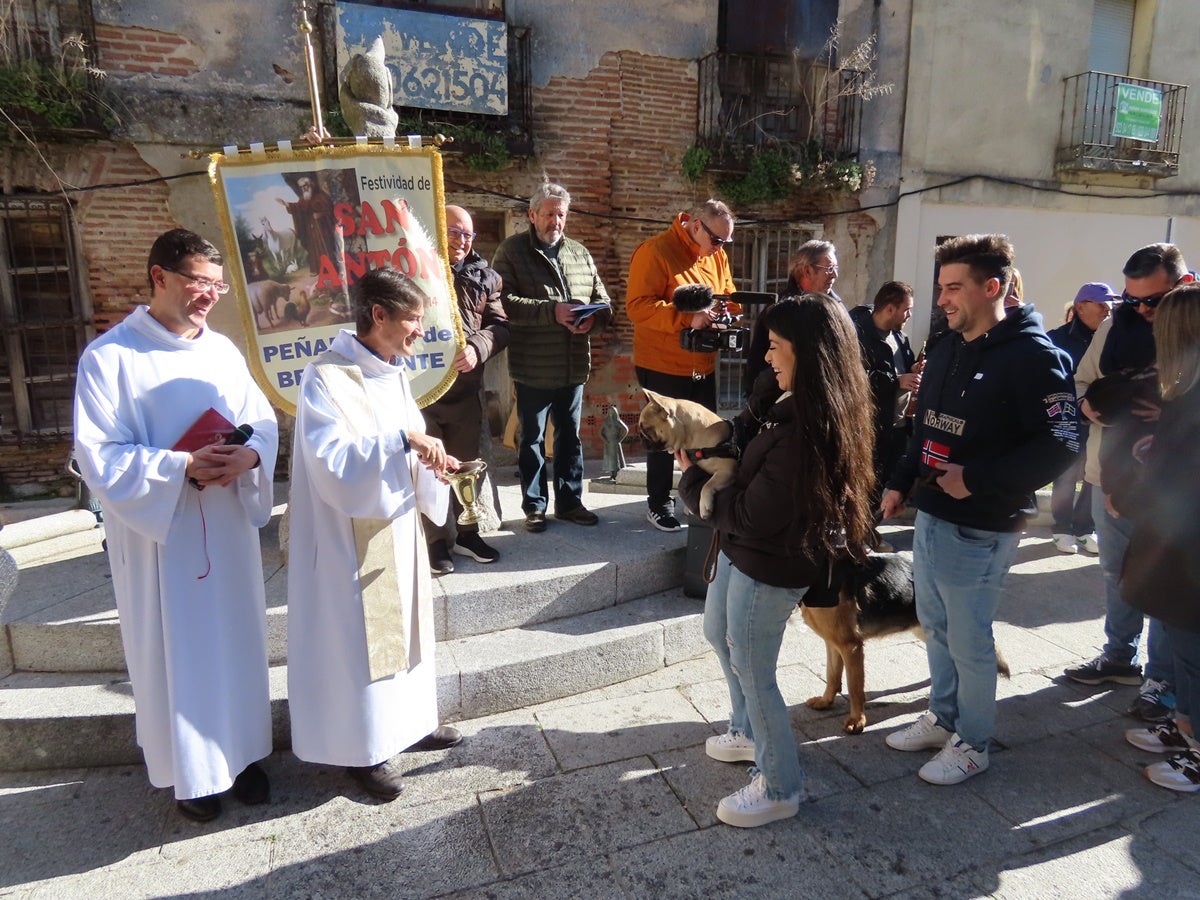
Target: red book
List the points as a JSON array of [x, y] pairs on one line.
[[210, 428]]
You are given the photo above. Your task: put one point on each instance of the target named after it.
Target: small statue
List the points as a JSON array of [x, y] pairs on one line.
[[612, 432], [366, 94]]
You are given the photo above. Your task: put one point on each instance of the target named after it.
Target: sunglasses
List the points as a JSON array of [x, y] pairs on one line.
[[1152, 301], [717, 241]]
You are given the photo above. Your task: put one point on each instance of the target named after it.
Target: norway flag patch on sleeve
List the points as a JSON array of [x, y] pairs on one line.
[[932, 453]]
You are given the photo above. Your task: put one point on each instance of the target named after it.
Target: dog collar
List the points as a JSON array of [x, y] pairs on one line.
[[721, 451]]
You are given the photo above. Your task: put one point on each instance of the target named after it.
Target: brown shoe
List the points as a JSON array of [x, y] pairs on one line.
[[535, 521], [441, 738], [200, 809], [383, 780], [579, 515]]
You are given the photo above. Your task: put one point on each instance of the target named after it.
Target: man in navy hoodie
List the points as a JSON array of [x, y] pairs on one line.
[[995, 420]]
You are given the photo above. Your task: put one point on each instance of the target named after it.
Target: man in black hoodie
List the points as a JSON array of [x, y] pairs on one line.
[[892, 371], [995, 420]]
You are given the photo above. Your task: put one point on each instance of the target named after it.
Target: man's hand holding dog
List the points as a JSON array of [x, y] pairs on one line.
[[685, 463]]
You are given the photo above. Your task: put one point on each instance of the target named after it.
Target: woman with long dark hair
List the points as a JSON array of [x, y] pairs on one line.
[[801, 496]]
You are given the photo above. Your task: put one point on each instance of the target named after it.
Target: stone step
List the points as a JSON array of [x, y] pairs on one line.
[[62, 617], [67, 720]]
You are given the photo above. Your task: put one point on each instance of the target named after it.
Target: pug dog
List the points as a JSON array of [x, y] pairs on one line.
[[667, 424]]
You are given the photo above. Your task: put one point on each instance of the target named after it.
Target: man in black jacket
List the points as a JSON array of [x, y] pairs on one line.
[[995, 421], [457, 416], [889, 361]]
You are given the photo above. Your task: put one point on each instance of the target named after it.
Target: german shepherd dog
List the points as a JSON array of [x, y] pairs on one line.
[[862, 600]]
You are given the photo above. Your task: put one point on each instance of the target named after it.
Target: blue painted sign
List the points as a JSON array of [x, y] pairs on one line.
[[437, 61]]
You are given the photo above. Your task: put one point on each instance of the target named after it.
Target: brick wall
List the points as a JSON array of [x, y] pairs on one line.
[[129, 50], [116, 228]]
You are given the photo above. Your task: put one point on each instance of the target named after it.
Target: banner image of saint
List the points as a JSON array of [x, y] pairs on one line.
[[306, 225]]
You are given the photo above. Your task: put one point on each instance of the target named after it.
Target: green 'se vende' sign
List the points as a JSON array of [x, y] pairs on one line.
[[1139, 111]]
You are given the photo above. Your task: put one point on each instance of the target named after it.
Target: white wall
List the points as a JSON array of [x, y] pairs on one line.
[[1056, 251]]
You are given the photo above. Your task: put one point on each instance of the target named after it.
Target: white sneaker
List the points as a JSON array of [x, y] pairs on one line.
[[1064, 543], [957, 762], [732, 746], [1179, 772], [1165, 737], [1089, 544], [750, 807], [923, 734]]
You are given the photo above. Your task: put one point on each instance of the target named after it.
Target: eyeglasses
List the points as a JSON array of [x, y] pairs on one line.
[[828, 270], [712, 236], [465, 236], [1152, 301], [203, 285]]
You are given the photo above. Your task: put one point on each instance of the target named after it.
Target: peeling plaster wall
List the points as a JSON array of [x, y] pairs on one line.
[[571, 45]]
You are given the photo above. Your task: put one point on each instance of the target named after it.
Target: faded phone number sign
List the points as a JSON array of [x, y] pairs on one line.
[[437, 61]]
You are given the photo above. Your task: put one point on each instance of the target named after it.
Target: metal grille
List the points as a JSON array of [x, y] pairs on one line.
[[1085, 135], [755, 101], [758, 257], [41, 317]]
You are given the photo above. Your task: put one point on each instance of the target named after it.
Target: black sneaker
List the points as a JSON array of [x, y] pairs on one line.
[[1153, 702], [1104, 669], [663, 520], [469, 543], [579, 515], [440, 562]]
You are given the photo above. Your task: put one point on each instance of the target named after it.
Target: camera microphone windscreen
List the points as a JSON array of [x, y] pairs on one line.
[[692, 298]]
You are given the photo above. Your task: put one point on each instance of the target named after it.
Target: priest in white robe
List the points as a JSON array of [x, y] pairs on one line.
[[182, 528], [361, 679]]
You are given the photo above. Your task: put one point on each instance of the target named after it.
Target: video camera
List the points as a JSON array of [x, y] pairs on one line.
[[724, 334]]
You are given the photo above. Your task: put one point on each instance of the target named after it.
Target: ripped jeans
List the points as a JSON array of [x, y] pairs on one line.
[[744, 621]]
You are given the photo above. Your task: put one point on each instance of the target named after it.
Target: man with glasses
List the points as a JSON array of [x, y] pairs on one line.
[[457, 416], [182, 528], [1125, 341], [690, 251], [812, 269]]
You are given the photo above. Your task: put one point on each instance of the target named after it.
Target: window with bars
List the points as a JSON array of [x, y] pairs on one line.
[[44, 317], [758, 258]]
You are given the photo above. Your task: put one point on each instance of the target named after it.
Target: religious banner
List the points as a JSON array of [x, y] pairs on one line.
[[438, 60], [303, 225]]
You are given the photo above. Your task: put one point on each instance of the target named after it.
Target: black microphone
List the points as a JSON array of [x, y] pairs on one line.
[[692, 298], [239, 436]]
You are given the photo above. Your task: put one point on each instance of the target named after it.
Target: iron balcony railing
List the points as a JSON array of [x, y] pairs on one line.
[[753, 101], [1090, 112]]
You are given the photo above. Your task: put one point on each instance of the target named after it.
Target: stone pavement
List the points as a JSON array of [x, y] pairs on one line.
[[609, 794]]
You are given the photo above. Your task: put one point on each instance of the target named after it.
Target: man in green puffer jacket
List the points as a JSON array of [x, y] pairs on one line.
[[549, 280]]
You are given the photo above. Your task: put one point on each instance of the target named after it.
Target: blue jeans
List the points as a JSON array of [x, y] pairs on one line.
[[958, 573], [1123, 623], [1185, 650], [744, 621], [564, 404]]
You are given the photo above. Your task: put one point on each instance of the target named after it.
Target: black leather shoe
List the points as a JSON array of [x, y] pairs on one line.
[[440, 562], [441, 738], [382, 780], [252, 786], [200, 809], [579, 515], [535, 521]]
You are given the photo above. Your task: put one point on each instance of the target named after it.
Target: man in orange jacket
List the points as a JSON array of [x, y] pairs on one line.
[[690, 251]]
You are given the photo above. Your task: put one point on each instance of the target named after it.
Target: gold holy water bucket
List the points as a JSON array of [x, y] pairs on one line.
[[465, 483]]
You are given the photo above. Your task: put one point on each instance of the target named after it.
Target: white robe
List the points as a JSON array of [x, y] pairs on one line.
[[339, 716], [195, 647]]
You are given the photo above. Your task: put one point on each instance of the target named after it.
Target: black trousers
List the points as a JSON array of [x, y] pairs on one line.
[[660, 466]]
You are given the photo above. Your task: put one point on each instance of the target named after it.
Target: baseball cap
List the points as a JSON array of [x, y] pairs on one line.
[[1096, 292]]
